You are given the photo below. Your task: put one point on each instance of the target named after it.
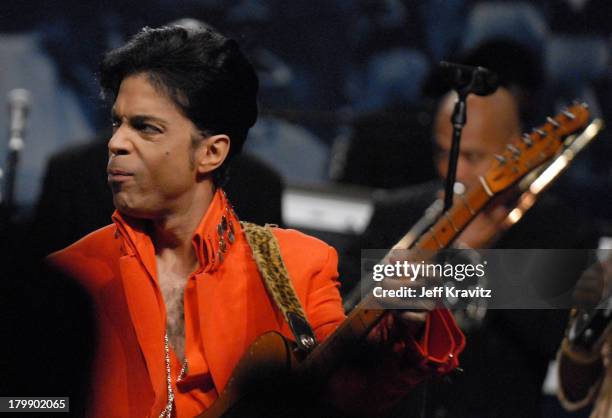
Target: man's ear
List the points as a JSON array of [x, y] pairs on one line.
[[211, 153]]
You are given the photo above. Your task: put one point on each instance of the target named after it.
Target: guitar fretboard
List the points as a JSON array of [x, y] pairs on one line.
[[452, 222]]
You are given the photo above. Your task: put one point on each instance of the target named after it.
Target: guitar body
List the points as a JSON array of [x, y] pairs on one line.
[[261, 374]]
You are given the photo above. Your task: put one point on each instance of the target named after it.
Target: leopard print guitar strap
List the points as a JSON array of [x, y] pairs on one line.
[[267, 255]]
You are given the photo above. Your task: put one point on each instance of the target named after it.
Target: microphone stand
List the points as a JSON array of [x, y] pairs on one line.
[[7, 197], [459, 119], [8, 201]]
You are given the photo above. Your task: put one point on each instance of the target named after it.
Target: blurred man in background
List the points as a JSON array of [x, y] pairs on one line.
[[508, 352]]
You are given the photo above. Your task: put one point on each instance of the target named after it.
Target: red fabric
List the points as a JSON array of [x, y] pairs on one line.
[[400, 364], [226, 309]]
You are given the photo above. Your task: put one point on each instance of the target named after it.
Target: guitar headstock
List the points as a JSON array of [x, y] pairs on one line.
[[532, 150]]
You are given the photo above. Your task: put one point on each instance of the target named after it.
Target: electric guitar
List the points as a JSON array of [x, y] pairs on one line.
[[272, 356]]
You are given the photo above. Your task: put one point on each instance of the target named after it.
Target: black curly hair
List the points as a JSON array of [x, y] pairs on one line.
[[204, 73]]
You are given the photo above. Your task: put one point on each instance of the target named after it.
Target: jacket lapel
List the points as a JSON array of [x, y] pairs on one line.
[[235, 310], [147, 319]]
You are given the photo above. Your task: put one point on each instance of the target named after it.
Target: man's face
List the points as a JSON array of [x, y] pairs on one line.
[[150, 165], [492, 123]]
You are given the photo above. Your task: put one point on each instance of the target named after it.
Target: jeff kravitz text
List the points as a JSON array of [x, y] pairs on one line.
[[419, 278], [435, 292]]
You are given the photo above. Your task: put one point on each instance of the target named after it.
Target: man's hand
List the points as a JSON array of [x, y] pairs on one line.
[[408, 314]]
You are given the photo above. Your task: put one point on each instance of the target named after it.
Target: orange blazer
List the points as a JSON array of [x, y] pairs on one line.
[[225, 302]]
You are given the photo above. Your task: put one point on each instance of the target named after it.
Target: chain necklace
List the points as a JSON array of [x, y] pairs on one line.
[[167, 412], [225, 228]]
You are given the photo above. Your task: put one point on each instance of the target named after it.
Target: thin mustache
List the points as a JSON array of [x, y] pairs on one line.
[[118, 172]]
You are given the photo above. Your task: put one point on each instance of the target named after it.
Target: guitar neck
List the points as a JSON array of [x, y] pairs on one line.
[[369, 312], [357, 324], [452, 222]]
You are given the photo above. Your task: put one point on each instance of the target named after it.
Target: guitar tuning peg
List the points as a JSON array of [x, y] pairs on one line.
[[500, 158], [581, 103], [540, 132], [514, 150], [568, 114], [527, 140], [553, 122]]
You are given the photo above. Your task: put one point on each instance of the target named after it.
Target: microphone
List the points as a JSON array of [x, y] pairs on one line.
[[18, 107], [477, 80]]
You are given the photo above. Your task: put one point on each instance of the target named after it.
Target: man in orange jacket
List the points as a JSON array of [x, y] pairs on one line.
[[177, 294]]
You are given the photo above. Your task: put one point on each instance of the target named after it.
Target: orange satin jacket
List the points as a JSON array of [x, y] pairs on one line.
[[226, 308]]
